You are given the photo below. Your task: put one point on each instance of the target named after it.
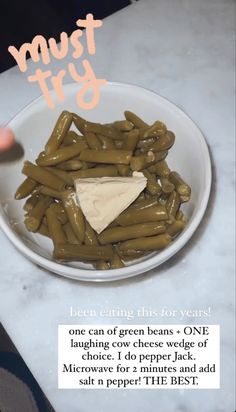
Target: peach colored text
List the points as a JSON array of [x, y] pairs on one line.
[[42, 50]]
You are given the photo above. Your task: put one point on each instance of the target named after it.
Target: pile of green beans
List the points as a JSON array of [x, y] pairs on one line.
[[149, 224]]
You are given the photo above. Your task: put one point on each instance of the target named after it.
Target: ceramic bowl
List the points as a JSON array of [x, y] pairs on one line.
[[32, 127]]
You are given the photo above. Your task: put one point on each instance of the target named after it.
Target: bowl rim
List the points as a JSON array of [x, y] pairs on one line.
[[137, 268]]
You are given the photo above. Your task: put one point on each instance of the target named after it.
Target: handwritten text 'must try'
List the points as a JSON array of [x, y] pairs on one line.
[[41, 49]]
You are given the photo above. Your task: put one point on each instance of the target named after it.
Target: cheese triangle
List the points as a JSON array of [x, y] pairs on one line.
[[102, 199]]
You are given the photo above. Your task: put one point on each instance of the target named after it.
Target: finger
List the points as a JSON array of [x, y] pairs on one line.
[[7, 138]]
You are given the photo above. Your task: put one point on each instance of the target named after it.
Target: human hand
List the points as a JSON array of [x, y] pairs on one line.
[[7, 138]]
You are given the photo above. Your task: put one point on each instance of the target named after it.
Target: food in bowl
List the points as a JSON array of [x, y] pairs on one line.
[[106, 195]]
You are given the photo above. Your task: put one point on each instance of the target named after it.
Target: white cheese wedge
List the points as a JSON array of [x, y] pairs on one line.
[[102, 199]]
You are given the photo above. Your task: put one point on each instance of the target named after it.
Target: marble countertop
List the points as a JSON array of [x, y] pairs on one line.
[[183, 50]]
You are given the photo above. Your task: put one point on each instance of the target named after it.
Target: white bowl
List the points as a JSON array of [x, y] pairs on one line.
[[32, 126]]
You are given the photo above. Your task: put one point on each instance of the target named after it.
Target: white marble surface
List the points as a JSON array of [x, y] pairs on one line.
[[183, 50]]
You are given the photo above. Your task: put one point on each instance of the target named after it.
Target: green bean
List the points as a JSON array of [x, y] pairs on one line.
[[41, 155], [106, 142], [96, 172], [35, 217], [25, 189], [72, 239], [112, 224], [59, 210], [152, 186], [161, 145], [43, 230], [72, 137], [67, 252], [31, 202], [181, 187], [74, 213], [185, 198], [157, 129], [160, 168], [133, 118], [60, 130], [62, 154], [132, 216], [36, 191], [119, 144], [166, 186], [172, 204], [160, 155], [56, 231], [123, 125], [143, 150], [90, 238], [148, 196], [151, 164], [93, 141], [142, 161], [131, 254], [79, 122], [116, 262], [87, 165], [69, 165], [144, 203], [44, 221], [123, 170], [163, 198], [164, 142], [102, 265], [131, 140], [146, 143], [147, 243], [106, 156], [152, 168], [139, 198], [117, 234], [108, 131], [62, 174], [47, 191], [180, 216], [176, 227], [43, 176]]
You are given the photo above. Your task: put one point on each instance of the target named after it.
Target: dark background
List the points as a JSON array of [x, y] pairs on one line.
[[21, 20]]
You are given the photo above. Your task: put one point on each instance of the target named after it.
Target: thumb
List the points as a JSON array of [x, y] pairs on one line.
[[7, 138]]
